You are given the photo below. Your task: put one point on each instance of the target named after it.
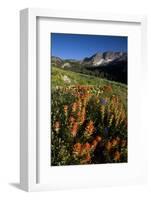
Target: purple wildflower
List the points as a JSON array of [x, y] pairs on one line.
[[103, 101]]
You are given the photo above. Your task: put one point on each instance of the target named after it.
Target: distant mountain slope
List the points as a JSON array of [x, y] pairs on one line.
[[109, 65], [105, 58], [56, 61]]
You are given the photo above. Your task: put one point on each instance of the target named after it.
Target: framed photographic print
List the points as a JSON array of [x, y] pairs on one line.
[[82, 77]]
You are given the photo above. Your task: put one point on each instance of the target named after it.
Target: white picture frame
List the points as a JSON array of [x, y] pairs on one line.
[[29, 149]]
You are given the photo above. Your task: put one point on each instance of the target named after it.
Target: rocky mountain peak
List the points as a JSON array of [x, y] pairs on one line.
[[102, 58]]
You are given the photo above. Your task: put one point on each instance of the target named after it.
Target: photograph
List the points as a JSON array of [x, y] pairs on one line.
[[89, 99]]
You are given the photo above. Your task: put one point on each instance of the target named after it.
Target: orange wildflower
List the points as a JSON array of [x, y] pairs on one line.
[[79, 114], [71, 120], [74, 129], [86, 146], [94, 143], [108, 145], [77, 148], [74, 107], [117, 156], [79, 104], [98, 138], [114, 142], [108, 88], [90, 127], [82, 118], [84, 101]]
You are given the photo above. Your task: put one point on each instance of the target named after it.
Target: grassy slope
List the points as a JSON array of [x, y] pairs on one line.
[[82, 79]]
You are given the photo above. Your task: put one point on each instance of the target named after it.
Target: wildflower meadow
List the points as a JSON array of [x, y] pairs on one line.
[[88, 124]]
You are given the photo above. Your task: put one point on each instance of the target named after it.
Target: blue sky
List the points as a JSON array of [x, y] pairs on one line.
[[78, 46]]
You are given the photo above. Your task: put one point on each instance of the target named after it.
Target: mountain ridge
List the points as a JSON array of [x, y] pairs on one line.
[[109, 64], [102, 58]]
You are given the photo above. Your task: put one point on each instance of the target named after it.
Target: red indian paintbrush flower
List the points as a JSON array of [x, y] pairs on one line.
[[77, 148], [83, 115], [114, 142], [94, 143], [74, 107], [71, 119], [98, 138], [90, 127], [117, 156], [74, 129], [86, 147], [108, 145]]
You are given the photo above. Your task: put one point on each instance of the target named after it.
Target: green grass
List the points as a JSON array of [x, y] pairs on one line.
[[57, 75], [78, 78]]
